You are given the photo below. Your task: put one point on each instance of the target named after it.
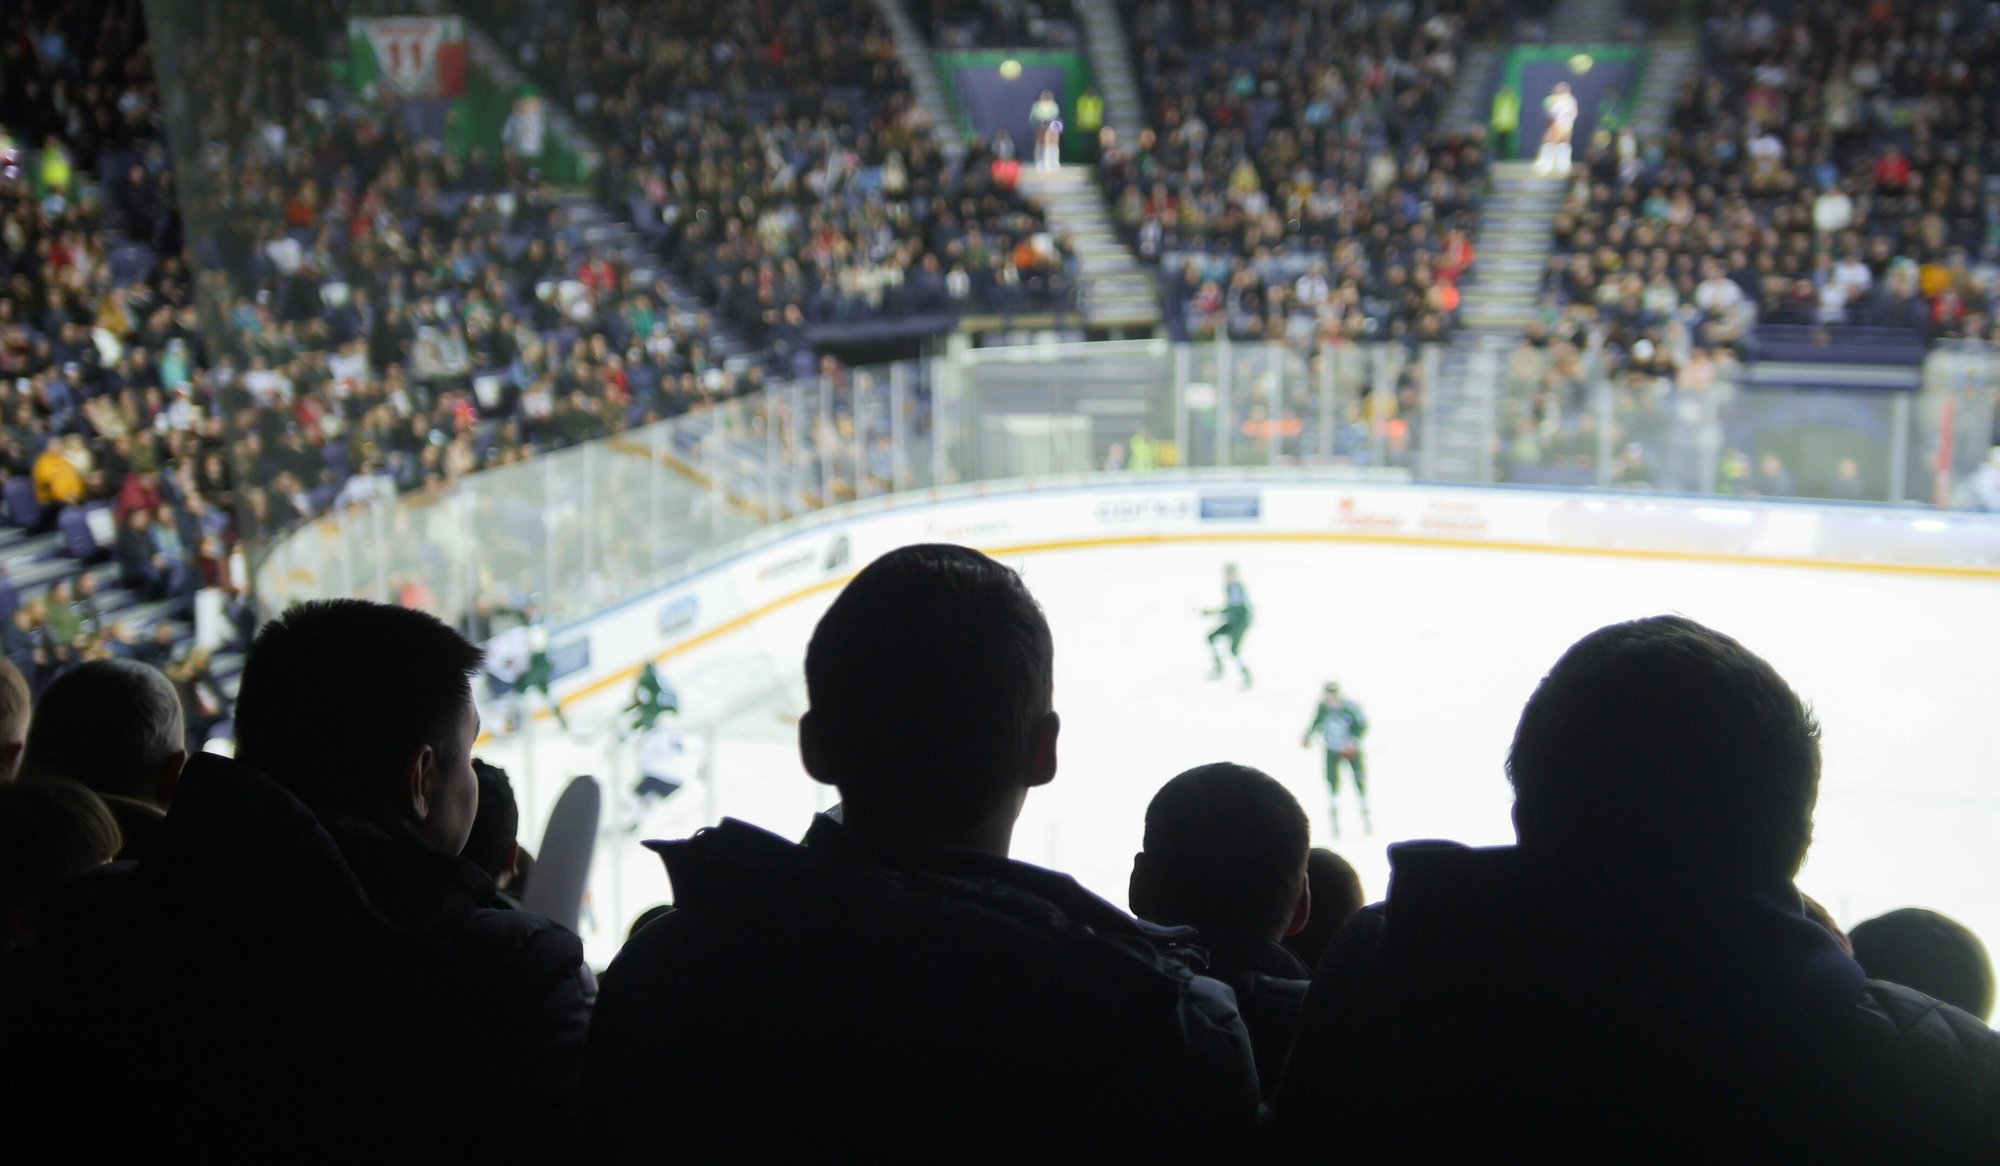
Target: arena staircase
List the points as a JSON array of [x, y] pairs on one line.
[[1111, 63], [1471, 101], [1587, 21], [1116, 291], [603, 230], [1672, 59], [913, 49], [1499, 301]]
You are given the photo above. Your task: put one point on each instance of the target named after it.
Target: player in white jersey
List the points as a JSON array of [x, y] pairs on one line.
[[668, 760], [1561, 109], [507, 656]]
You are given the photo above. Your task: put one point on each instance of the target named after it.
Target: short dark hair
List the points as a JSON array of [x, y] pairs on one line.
[[1935, 954], [497, 825], [337, 694], [1225, 846], [1661, 743], [1337, 895], [110, 724], [927, 680]]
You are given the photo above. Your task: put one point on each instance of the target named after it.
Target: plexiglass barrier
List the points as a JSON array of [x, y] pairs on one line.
[[584, 528]]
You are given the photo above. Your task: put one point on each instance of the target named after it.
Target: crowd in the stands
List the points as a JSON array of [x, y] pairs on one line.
[[1828, 169], [299, 941], [102, 444], [959, 24], [375, 313], [1292, 176], [776, 157]]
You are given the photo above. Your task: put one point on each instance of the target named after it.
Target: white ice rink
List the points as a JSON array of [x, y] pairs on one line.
[[1441, 646]]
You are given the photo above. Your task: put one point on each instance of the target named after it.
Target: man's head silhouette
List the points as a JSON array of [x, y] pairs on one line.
[[365, 708], [931, 681], [1666, 747]]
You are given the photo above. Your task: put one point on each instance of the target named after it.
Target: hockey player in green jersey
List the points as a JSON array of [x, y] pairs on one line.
[[652, 698], [541, 671], [1340, 725], [1235, 613]]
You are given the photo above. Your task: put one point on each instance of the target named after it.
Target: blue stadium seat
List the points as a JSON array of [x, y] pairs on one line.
[[23, 508], [78, 541]]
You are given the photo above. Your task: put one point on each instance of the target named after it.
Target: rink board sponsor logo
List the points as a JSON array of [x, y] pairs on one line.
[[967, 530], [1352, 513], [569, 658], [1146, 508], [838, 552], [791, 564], [678, 615], [1231, 507]]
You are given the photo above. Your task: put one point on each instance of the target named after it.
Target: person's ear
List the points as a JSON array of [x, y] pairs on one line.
[[419, 775], [1139, 893], [170, 776], [812, 748], [1301, 910], [1042, 759], [10, 759]]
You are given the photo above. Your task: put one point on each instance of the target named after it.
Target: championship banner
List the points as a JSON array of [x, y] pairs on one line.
[[409, 56]]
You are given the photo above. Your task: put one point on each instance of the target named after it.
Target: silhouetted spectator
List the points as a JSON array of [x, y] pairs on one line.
[[1638, 977], [50, 831], [1020, 1018], [1933, 953], [303, 967], [115, 727], [493, 845], [1336, 896], [1225, 854], [647, 916], [14, 710], [203, 705]]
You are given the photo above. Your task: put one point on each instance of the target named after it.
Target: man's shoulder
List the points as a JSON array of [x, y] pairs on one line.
[[512, 932], [744, 890], [1927, 1033]]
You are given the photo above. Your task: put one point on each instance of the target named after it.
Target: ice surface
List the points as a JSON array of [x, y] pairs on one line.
[[1441, 646]]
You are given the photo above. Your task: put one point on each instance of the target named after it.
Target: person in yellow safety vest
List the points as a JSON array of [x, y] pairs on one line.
[[1506, 121], [1143, 454], [1090, 111], [57, 170]]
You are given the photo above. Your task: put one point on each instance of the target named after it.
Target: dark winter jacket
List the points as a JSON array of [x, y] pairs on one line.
[[1497, 1008], [268, 984], [1270, 985], [834, 1002]]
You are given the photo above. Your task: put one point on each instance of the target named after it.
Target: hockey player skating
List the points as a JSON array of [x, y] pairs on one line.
[[668, 760], [517, 663], [1235, 613], [1341, 724], [541, 672], [652, 698], [506, 666]]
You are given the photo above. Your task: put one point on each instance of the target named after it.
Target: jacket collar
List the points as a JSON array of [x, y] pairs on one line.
[[245, 844], [1737, 949], [698, 868]]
